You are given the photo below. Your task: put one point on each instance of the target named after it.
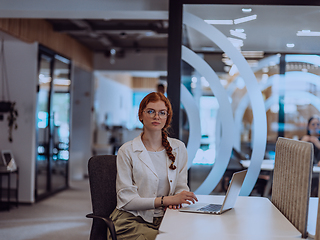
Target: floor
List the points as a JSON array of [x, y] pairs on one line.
[[59, 217]]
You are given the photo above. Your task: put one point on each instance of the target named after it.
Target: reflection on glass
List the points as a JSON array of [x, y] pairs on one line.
[[43, 135], [52, 125], [61, 120]]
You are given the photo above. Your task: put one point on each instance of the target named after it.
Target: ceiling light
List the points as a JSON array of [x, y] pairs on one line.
[[246, 10], [208, 49], [238, 34], [223, 82], [307, 33], [236, 42], [253, 54], [239, 30], [62, 81], [204, 82], [252, 63], [233, 71], [219, 22], [290, 45], [149, 33], [227, 61], [245, 19]]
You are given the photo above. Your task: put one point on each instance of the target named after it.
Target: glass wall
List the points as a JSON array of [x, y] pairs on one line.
[[53, 121], [266, 89]]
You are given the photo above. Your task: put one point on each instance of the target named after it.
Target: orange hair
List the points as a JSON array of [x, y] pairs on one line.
[[154, 97]]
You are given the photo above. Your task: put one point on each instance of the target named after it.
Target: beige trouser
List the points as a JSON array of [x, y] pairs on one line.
[[132, 227]]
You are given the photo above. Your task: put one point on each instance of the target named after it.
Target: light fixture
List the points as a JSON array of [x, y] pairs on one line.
[[249, 54], [219, 22], [290, 45], [235, 33], [246, 10], [253, 54], [204, 82], [239, 30], [112, 56], [233, 70], [307, 33], [236, 42], [208, 49], [149, 34], [245, 19]]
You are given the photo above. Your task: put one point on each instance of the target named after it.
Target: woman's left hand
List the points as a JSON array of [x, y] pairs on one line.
[[174, 206]]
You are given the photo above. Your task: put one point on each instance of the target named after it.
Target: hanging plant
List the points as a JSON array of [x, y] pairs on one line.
[[12, 119], [6, 106]]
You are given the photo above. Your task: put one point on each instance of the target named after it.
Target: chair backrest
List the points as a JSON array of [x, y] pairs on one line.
[[292, 181], [102, 171]]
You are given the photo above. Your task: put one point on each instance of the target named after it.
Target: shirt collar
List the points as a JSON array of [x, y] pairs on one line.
[[138, 145]]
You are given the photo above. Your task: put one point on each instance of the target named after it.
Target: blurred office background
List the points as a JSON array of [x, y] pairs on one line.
[[78, 75]]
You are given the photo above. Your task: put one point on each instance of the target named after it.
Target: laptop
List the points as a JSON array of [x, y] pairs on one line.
[[228, 202]]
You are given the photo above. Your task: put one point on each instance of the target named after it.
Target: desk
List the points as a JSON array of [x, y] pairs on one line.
[[252, 218], [268, 165], [312, 216], [8, 175]]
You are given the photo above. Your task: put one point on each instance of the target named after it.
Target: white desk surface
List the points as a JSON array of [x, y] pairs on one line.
[[312, 216], [268, 165], [252, 218]]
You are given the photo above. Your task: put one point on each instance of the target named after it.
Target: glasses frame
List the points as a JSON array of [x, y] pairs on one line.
[[152, 115]]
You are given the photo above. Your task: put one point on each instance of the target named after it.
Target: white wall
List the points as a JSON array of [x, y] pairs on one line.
[[21, 59], [114, 99], [81, 137]]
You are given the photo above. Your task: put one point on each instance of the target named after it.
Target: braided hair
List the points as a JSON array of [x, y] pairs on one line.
[[154, 97]]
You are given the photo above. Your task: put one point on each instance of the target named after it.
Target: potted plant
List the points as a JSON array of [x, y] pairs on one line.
[[5, 106], [9, 108], [12, 119]]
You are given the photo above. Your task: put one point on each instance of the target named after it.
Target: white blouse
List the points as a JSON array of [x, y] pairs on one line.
[[138, 181]]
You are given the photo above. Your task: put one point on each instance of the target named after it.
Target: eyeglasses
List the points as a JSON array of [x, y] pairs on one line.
[[152, 113]]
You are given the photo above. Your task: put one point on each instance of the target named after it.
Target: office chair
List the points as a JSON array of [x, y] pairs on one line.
[[292, 181], [102, 171]]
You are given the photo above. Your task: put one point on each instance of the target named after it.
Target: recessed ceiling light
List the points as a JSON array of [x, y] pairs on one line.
[[245, 19], [219, 22], [290, 45], [246, 10], [307, 33]]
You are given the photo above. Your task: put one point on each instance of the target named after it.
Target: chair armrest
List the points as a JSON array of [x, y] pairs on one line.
[[108, 222]]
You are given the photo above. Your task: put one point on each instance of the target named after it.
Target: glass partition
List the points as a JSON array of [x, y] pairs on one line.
[[272, 87], [52, 126]]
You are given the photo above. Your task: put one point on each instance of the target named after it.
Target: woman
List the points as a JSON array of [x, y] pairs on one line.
[[152, 173], [313, 136]]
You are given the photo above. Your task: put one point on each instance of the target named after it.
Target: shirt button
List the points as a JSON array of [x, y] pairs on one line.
[[170, 180]]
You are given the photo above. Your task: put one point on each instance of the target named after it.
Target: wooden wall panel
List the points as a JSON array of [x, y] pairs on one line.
[[38, 30], [149, 83]]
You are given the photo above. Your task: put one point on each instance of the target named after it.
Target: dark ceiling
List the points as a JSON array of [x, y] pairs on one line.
[[104, 35]]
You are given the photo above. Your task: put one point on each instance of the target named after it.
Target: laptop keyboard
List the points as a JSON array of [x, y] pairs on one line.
[[211, 208]]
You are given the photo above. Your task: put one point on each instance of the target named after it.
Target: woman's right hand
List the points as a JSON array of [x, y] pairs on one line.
[[180, 198]]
